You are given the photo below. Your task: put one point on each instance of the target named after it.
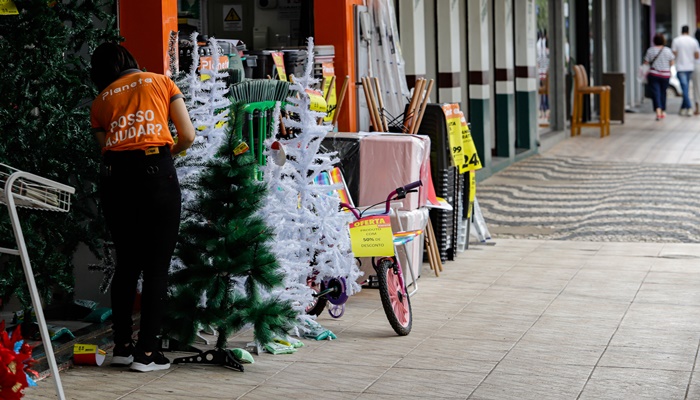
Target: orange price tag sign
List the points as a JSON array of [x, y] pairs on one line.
[[278, 58], [372, 237]]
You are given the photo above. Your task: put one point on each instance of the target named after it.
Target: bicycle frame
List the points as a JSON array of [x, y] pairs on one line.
[[401, 193]]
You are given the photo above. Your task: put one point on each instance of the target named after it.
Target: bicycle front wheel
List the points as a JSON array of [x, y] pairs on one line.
[[319, 303], [397, 304]]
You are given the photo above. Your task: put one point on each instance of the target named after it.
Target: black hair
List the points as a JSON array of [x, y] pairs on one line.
[[107, 63], [659, 39], [697, 34], [685, 29]]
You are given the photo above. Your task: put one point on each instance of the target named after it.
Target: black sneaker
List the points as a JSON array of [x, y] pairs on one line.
[[155, 362], [122, 356]]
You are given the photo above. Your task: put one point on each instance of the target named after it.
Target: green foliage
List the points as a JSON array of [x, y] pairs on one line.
[[224, 249], [45, 129]]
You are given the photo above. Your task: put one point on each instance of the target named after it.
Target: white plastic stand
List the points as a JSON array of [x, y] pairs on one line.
[[22, 189]]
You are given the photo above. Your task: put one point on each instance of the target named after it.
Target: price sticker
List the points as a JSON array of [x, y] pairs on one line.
[[8, 7], [88, 354], [318, 103], [372, 237], [328, 73], [278, 58], [240, 149]]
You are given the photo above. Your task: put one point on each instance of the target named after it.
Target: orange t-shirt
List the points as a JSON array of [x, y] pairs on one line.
[[133, 111]]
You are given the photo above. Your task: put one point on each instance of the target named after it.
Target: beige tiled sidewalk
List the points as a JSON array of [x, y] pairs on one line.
[[517, 319]]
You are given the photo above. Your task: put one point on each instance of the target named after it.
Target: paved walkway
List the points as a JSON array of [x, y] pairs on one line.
[[518, 319]]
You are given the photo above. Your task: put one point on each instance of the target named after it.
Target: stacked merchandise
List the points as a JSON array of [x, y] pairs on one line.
[[446, 179], [402, 159]]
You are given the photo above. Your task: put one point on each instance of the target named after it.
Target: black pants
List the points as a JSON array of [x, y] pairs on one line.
[[141, 201]]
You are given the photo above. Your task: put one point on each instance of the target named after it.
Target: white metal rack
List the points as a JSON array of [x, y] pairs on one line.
[[22, 189]]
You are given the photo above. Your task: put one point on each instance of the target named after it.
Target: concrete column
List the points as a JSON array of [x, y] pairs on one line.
[[448, 83], [557, 66], [146, 30], [334, 24], [479, 81], [525, 74], [413, 42], [504, 76], [682, 13]]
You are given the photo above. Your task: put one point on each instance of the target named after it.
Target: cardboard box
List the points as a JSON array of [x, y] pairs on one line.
[[374, 164]]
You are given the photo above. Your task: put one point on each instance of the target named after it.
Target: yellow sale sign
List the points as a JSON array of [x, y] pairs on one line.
[[372, 237], [454, 132], [471, 157]]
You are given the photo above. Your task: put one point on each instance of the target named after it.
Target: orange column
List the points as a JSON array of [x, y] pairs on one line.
[[146, 27], [334, 24]]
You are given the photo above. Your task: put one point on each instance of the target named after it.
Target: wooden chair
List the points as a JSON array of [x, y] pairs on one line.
[[581, 88]]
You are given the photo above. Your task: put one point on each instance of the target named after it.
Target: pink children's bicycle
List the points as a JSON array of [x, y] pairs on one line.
[[390, 278]]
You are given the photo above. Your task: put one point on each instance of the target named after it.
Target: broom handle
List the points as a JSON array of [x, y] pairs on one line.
[[423, 106], [409, 117], [369, 104], [380, 99], [379, 126], [339, 104]]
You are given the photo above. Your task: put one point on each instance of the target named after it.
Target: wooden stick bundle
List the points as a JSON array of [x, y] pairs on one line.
[[380, 99], [416, 125], [415, 99]]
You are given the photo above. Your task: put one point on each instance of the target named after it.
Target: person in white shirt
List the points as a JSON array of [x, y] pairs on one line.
[[696, 76], [685, 48]]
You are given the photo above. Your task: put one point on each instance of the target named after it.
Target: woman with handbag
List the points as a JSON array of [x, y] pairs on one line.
[[660, 59]]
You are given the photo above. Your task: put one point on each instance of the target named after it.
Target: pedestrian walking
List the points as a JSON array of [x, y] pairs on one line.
[[696, 76], [685, 49], [660, 59], [139, 192], [543, 71]]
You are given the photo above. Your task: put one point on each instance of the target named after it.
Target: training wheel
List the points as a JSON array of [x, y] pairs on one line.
[[339, 295], [336, 310]]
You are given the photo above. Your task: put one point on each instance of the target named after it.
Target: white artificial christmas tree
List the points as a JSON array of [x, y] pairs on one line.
[[309, 225], [208, 105]]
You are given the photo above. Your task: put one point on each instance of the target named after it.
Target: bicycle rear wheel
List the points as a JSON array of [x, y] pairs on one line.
[[397, 304]]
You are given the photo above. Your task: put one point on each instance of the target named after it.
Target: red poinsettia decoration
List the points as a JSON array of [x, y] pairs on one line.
[[14, 366]]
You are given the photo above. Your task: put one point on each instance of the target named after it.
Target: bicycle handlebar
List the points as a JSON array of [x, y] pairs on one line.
[[413, 185], [401, 191]]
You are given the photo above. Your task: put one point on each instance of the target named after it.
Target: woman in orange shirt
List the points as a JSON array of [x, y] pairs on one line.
[[140, 192]]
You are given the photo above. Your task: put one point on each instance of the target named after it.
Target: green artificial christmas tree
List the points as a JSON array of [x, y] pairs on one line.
[[45, 130], [225, 270]]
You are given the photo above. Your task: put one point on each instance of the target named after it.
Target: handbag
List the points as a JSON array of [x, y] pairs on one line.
[[644, 69], [642, 73]]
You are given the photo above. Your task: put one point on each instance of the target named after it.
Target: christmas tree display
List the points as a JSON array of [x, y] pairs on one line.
[[226, 271], [206, 99], [312, 241], [45, 127]]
